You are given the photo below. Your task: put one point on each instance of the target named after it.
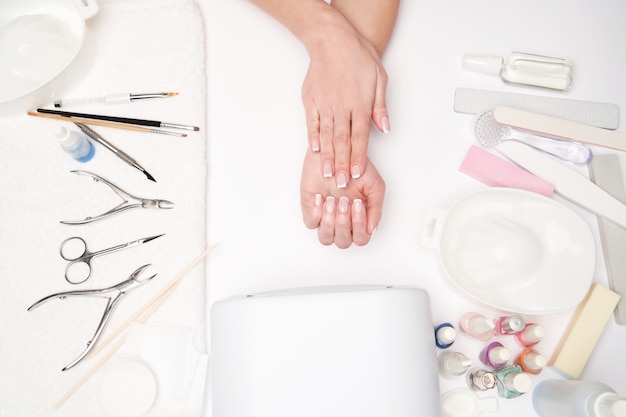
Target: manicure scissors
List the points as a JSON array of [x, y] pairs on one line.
[[129, 201], [113, 294], [74, 250]]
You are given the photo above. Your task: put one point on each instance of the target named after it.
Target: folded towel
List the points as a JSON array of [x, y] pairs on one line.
[[139, 46]]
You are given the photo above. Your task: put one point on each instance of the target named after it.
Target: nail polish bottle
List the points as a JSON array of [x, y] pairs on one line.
[[495, 355], [512, 382], [523, 68], [452, 364], [576, 398], [76, 144], [481, 379], [531, 361], [509, 324], [531, 334], [477, 326], [445, 335]]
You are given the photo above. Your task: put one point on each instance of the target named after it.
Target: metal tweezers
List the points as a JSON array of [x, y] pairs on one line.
[[118, 290], [129, 201]]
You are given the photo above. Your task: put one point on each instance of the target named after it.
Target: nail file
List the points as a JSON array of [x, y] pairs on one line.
[[560, 128], [606, 173], [475, 101], [567, 182]]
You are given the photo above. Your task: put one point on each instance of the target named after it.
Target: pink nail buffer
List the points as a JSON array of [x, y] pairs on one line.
[[496, 172]]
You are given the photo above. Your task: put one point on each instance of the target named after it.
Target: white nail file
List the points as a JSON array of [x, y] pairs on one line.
[[476, 101], [607, 174], [560, 128], [567, 182]]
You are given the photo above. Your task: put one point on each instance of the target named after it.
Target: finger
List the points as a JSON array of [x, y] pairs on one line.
[[312, 210], [359, 142], [360, 236], [343, 224], [375, 197], [327, 151], [380, 115], [313, 128], [342, 146], [326, 231]]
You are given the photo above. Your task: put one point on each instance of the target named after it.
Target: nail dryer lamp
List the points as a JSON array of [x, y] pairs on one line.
[[332, 352]]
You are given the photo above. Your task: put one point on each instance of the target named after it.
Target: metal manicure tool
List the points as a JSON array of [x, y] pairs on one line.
[[74, 250], [114, 295], [130, 201]]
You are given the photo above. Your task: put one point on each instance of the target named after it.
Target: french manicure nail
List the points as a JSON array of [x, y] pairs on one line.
[[330, 204], [386, 126], [342, 180], [355, 171], [318, 200], [343, 205], [357, 206], [315, 146], [328, 170]]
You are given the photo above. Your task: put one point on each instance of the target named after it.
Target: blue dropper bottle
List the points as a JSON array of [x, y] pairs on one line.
[[76, 144]]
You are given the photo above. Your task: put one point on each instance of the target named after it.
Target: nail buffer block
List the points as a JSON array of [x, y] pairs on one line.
[[474, 101], [606, 173], [496, 172]]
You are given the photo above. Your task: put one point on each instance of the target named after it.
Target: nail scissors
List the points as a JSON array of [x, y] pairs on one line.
[[113, 294], [129, 201], [74, 250]]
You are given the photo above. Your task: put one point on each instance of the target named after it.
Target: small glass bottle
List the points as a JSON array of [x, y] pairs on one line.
[[512, 382], [495, 355], [531, 334], [509, 324], [76, 144], [477, 326], [576, 398], [452, 364], [523, 68], [531, 361], [445, 335], [481, 379]]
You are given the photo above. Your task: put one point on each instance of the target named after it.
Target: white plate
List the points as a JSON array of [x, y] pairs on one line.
[[514, 250]]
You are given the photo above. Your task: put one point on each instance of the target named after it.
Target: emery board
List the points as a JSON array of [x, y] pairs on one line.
[[606, 173], [475, 101]]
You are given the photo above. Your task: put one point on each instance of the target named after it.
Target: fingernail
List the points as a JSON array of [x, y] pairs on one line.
[[328, 170], [343, 205], [385, 122], [373, 231], [330, 204], [357, 206], [342, 180], [355, 171], [315, 146], [318, 200]]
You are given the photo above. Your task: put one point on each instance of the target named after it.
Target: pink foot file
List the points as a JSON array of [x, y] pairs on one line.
[[496, 172]]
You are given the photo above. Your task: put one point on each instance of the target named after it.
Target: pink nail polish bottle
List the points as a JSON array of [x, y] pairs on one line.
[[477, 326], [531, 334], [509, 324]]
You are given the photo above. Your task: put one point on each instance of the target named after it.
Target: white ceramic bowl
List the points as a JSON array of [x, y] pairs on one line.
[[514, 250], [39, 40]]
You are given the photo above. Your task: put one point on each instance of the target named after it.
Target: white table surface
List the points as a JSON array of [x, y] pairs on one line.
[[257, 140]]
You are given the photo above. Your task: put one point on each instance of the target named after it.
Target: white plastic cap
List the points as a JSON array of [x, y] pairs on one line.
[[64, 136], [518, 382], [487, 64], [499, 354], [535, 361], [446, 335], [609, 404], [533, 333], [459, 363]]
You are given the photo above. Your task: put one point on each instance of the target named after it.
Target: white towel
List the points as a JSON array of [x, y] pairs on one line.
[[141, 46]]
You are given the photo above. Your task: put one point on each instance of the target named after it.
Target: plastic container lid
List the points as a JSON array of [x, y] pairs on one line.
[[462, 402], [446, 335], [535, 361], [518, 382], [533, 333], [609, 404], [482, 63], [499, 354]]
